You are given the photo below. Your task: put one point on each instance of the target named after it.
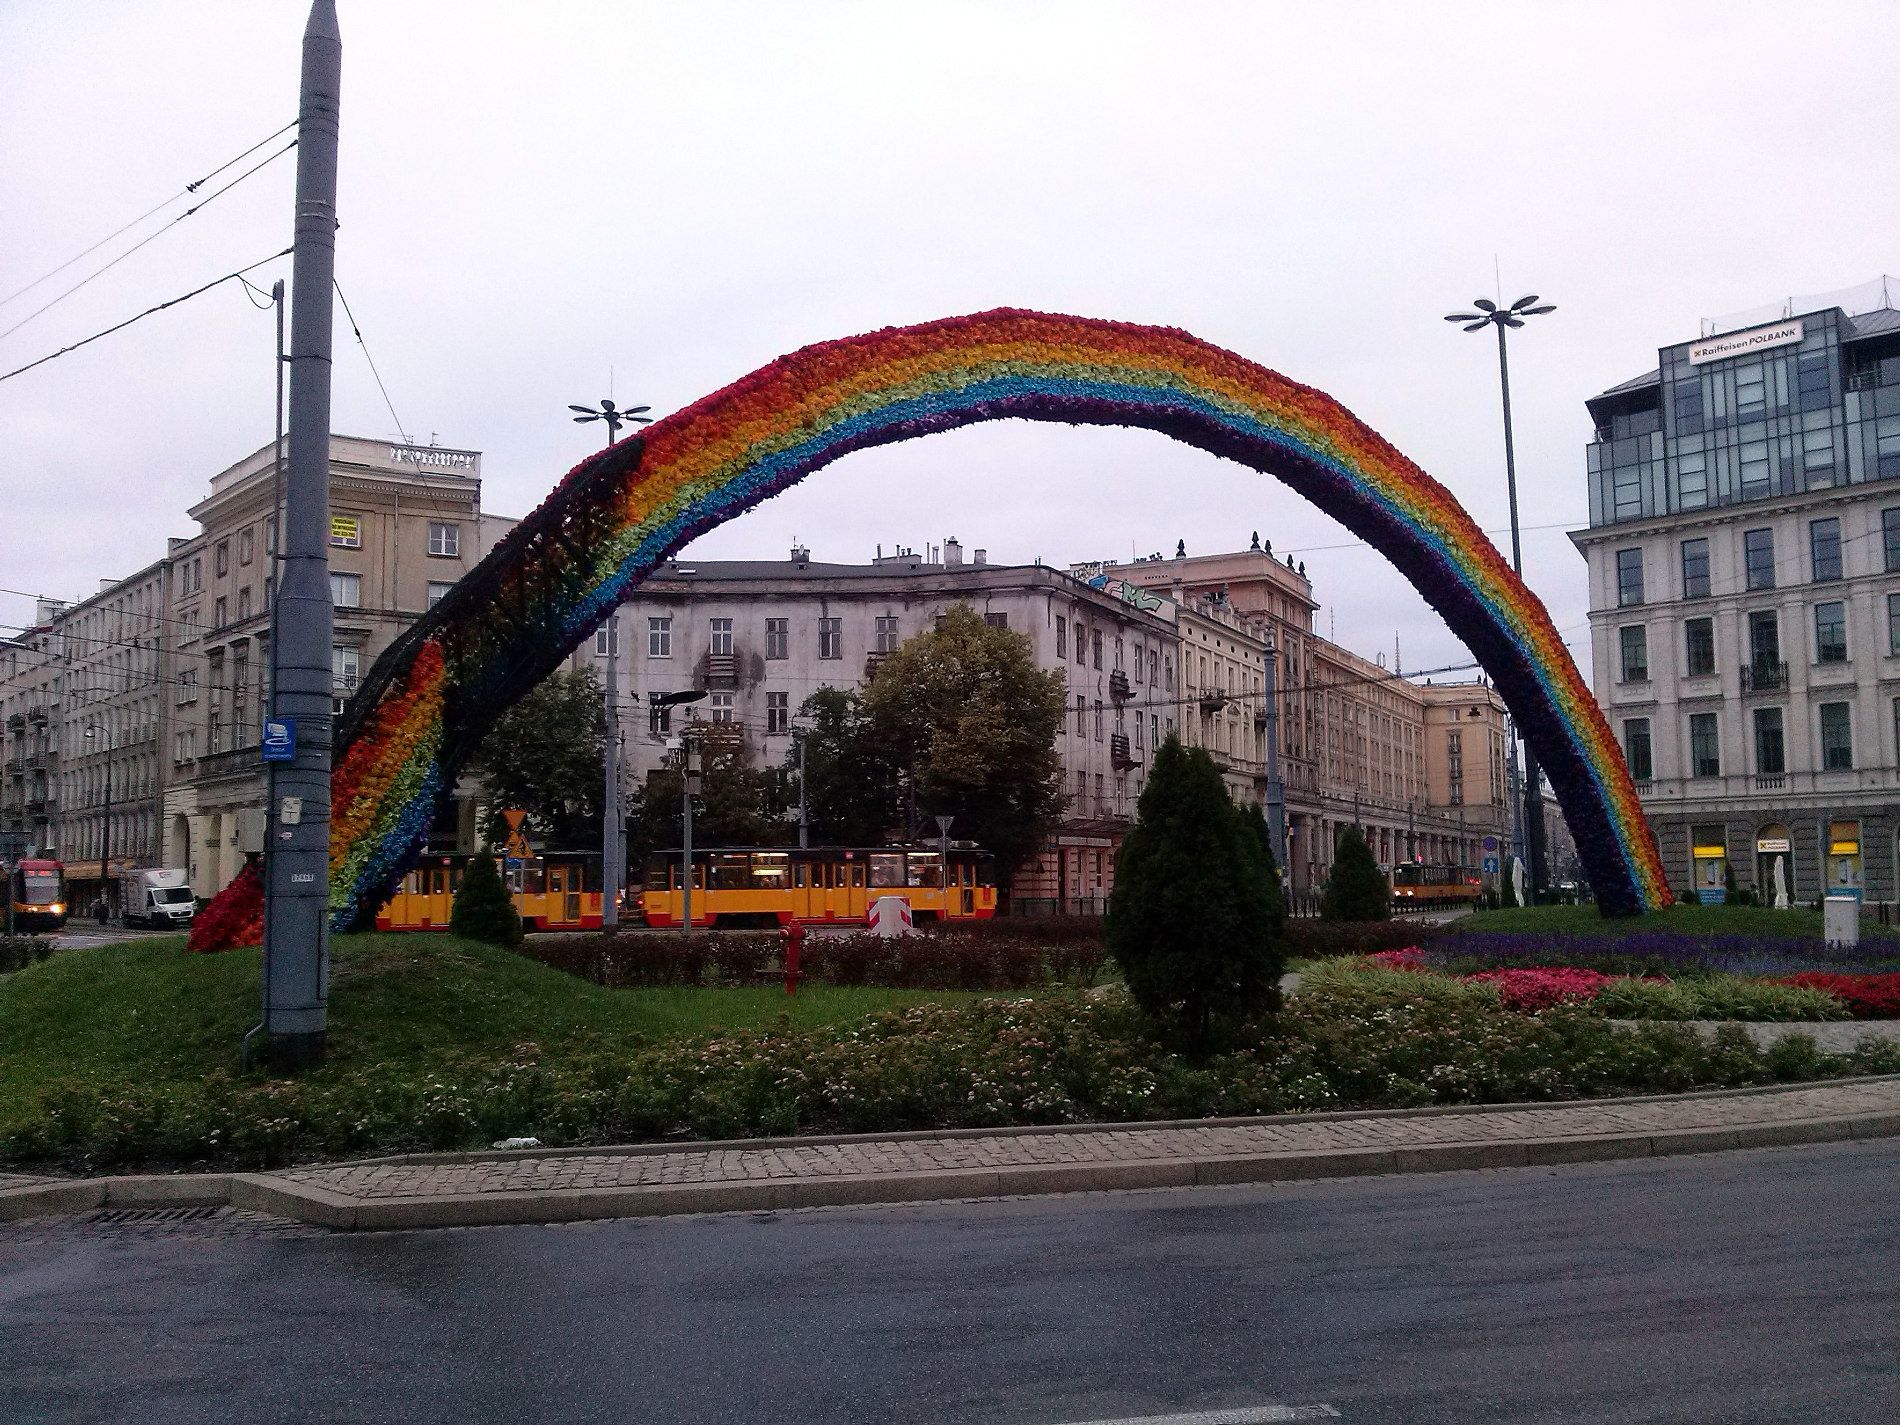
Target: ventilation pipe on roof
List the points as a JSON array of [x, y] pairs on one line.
[[980, 556], [952, 552]]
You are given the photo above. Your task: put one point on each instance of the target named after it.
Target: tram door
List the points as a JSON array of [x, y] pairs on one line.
[[564, 882]]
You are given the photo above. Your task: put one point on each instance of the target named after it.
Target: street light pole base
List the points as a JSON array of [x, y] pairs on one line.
[[293, 1053]]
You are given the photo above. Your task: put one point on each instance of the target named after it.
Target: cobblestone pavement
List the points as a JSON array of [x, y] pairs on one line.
[[880, 1157]]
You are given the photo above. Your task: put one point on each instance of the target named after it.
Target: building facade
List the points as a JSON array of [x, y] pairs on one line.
[[405, 524], [1744, 567]]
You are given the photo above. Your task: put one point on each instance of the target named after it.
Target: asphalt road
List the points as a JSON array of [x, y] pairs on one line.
[[1739, 1287]]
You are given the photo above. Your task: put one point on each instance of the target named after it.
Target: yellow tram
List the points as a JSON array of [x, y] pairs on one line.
[[1418, 884], [822, 885], [559, 890]]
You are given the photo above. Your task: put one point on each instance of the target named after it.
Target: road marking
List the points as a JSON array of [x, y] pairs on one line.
[[1243, 1415]]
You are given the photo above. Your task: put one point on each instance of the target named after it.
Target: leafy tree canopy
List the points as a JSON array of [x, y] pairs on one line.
[[543, 756]]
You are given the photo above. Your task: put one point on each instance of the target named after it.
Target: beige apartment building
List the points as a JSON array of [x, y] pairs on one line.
[[405, 524]]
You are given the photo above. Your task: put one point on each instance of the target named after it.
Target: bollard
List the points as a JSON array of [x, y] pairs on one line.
[[794, 942]]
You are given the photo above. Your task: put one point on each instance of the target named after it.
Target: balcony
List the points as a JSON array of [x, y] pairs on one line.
[[722, 670], [1120, 755], [1212, 703], [873, 661], [1770, 781], [1118, 688], [1763, 676]]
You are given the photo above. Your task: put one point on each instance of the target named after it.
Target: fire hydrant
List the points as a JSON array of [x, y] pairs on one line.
[[794, 934]]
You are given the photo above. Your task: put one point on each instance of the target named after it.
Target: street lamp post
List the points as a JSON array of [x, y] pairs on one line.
[[1490, 314], [801, 729], [105, 829], [613, 853]]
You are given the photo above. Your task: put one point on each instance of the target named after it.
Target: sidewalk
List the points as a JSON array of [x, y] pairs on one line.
[[458, 1190]]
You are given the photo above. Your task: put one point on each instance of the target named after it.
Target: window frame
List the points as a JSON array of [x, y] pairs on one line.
[[660, 636], [1629, 578], [1698, 722], [445, 539]]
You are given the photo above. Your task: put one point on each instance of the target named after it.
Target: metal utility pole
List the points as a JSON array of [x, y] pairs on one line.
[[689, 788], [297, 929], [804, 818], [613, 844], [105, 829], [1276, 788], [1491, 314]]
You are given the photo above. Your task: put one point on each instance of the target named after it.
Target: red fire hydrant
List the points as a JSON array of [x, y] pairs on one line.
[[794, 934]]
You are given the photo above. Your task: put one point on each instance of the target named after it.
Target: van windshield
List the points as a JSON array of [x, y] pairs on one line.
[[171, 895]]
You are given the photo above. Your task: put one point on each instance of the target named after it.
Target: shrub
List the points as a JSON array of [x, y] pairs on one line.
[[19, 951], [1718, 997], [1190, 922], [1356, 889], [483, 909], [1319, 939]]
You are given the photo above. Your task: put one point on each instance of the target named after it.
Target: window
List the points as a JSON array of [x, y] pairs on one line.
[[1830, 632], [603, 636], [345, 668], [188, 686], [996, 620], [885, 628], [1635, 651], [214, 733], [1095, 647], [244, 604], [1824, 549], [830, 638], [1699, 634], [1837, 738], [1705, 748], [1081, 715], [659, 718], [436, 590], [346, 591], [346, 531], [1629, 577], [223, 558], [1758, 551], [1062, 637], [1893, 623], [247, 546], [660, 637], [778, 713], [1771, 757], [1636, 749], [1695, 569], [1098, 719], [1890, 537], [218, 613], [1081, 644], [1764, 641], [445, 540], [1081, 791], [721, 707], [778, 638]]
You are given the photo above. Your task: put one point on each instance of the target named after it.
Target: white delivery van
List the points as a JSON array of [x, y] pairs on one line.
[[161, 899]]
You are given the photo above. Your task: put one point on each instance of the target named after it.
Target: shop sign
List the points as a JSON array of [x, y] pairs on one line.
[[1742, 343], [1772, 843]]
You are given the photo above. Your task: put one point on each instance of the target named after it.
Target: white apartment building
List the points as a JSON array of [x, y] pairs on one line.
[[1744, 566]]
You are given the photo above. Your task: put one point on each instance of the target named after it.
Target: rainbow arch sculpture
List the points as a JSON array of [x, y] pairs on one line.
[[423, 708]]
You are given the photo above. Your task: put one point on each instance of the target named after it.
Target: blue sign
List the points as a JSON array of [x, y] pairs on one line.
[[1712, 895], [1490, 865], [280, 740]]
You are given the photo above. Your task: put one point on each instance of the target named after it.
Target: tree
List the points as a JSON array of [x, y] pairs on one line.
[[1356, 890], [1190, 920], [543, 756], [850, 791], [483, 908], [963, 712], [1507, 886], [738, 804], [1262, 830]]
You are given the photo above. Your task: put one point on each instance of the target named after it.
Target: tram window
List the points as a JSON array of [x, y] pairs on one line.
[[801, 876], [887, 869], [730, 871], [769, 870], [926, 869], [412, 883], [658, 873], [856, 870]]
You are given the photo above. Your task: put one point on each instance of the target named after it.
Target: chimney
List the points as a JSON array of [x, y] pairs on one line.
[[952, 553], [981, 556], [801, 556]]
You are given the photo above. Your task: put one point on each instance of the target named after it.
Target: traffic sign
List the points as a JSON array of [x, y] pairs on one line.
[[1490, 865], [280, 739]]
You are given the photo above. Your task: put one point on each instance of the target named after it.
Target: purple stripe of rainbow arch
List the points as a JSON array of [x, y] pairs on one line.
[[624, 512]]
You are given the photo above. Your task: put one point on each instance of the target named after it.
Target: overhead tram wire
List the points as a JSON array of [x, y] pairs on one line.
[[401, 430], [149, 311], [149, 237], [186, 191]]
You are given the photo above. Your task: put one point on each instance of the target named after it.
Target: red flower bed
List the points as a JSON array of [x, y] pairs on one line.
[[235, 915], [1529, 991], [1866, 996], [1410, 958]]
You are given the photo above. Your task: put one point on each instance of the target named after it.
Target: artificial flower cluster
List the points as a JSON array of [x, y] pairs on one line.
[[233, 917]]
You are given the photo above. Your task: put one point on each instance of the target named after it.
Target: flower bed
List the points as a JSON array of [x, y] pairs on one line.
[[1865, 996], [1373, 1038]]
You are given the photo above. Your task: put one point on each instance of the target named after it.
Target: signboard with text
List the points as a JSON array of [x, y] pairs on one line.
[[279, 742], [1742, 343]]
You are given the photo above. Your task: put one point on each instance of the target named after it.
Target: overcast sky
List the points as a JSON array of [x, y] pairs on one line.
[[536, 195]]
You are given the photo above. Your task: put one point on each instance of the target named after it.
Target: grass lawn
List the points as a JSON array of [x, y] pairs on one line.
[[1696, 920], [147, 1013]]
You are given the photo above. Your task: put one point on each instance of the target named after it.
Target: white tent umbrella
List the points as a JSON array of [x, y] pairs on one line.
[[1781, 883]]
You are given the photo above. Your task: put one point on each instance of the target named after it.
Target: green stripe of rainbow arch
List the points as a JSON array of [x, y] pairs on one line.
[[617, 516]]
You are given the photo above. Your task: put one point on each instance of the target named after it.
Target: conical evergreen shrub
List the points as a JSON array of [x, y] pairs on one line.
[[1256, 821], [483, 908], [1356, 890], [1190, 921]]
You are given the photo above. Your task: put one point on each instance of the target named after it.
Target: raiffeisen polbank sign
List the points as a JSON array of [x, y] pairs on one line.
[[1742, 343]]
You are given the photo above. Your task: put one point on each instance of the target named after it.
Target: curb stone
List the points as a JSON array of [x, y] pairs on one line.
[[293, 1195]]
